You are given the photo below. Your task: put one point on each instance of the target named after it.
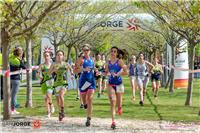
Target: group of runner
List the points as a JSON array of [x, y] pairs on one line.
[[88, 71]]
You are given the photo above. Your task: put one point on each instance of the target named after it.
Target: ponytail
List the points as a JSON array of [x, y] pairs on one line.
[[121, 53]]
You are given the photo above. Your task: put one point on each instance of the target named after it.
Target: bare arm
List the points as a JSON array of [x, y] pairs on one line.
[[106, 69], [124, 68], [149, 64], [78, 66]]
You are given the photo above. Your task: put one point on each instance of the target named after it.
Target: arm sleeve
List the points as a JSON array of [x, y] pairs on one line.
[[22, 64]]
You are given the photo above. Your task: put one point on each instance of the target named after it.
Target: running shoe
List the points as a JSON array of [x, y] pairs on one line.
[[141, 103], [81, 106], [113, 125], [14, 112], [77, 98], [88, 122], [99, 95], [49, 115], [85, 106], [61, 116], [133, 98]]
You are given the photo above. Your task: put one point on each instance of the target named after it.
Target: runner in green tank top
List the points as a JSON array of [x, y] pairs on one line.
[[59, 70], [98, 73], [156, 77], [46, 82]]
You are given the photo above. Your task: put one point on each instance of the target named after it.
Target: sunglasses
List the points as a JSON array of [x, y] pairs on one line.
[[86, 50]]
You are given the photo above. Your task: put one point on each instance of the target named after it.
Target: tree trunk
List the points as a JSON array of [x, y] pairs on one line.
[[171, 87], [6, 77], [76, 51], [68, 52], [55, 49], [188, 101], [163, 75], [150, 57], [166, 71], [29, 72]]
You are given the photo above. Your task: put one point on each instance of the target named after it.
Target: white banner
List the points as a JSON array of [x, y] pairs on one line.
[[181, 62]]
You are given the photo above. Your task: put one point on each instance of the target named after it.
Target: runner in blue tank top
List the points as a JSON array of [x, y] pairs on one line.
[[87, 75], [115, 68], [131, 67], [87, 83]]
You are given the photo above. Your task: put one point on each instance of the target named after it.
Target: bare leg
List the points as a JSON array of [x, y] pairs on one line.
[[104, 86], [62, 93], [157, 88], [153, 87], [112, 98], [89, 103], [99, 86], [83, 97], [132, 87], [47, 103]]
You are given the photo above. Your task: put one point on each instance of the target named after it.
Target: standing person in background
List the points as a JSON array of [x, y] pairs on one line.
[[46, 82], [98, 73], [142, 76], [87, 84], [131, 67], [16, 64], [60, 71], [115, 68], [104, 78], [156, 76]]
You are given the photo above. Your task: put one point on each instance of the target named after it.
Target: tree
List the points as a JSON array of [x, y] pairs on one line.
[[183, 18], [76, 24], [172, 39], [12, 27]]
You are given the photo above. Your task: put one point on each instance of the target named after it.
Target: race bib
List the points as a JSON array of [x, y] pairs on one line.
[[85, 86], [49, 83], [120, 88]]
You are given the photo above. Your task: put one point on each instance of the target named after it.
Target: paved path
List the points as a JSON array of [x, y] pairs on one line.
[[99, 125]]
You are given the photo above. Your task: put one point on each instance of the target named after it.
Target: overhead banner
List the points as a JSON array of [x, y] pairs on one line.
[[181, 61], [124, 22]]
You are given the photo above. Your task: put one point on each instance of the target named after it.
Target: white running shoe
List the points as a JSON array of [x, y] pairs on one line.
[[52, 109], [14, 112], [49, 115]]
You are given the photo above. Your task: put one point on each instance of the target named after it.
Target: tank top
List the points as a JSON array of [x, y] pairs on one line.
[[88, 63], [60, 77], [114, 68], [157, 69], [99, 65], [131, 70], [141, 69], [44, 73]]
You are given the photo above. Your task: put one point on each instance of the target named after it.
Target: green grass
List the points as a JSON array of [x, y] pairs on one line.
[[168, 107]]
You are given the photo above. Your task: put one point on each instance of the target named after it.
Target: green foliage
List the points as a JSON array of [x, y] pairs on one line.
[[73, 54], [104, 44], [197, 50]]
